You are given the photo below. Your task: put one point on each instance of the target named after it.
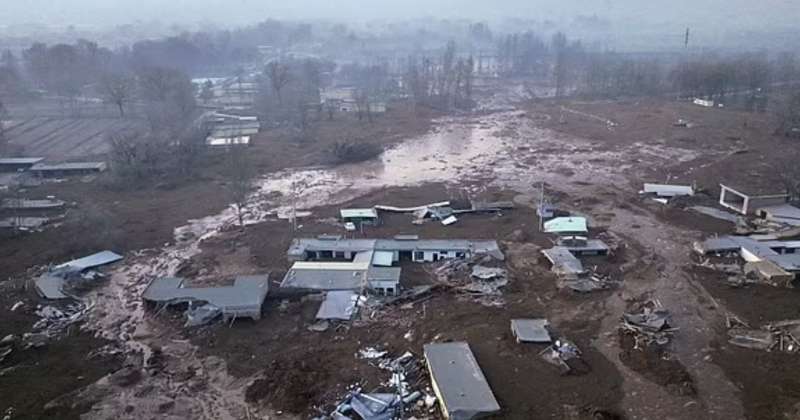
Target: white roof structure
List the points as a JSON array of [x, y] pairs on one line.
[[566, 225], [359, 213]]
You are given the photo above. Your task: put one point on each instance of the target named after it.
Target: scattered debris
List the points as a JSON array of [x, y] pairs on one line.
[[476, 280], [17, 306], [449, 221], [562, 353], [320, 326], [650, 323], [531, 330], [398, 397], [782, 336]]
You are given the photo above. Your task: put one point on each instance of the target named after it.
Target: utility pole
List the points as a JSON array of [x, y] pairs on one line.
[[540, 210], [686, 39]]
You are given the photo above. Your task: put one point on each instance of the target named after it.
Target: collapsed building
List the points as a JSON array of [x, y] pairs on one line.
[[243, 299], [774, 260], [334, 263], [747, 201]]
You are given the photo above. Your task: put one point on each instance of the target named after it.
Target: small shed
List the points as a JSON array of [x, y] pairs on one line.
[[458, 382], [360, 217]]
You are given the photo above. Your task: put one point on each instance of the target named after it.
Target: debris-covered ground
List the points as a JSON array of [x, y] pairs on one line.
[[632, 366]]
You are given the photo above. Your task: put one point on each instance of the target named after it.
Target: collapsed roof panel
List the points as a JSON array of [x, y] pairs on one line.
[[531, 330], [338, 305], [458, 381], [563, 261], [666, 190]]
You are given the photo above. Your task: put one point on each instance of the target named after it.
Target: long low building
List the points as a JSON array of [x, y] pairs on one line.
[[18, 164], [401, 248], [68, 169], [458, 382], [333, 263], [783, 255]]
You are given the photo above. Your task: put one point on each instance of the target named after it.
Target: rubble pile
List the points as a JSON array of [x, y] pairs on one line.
[[399, 396], [650, 324], [564, 354], [475, 278], [783, 336], [54, 322]]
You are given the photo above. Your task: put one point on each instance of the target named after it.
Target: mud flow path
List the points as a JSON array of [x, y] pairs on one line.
[[502, 148]]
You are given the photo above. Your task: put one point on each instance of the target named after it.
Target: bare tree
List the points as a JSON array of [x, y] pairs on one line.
[[240, 178], [207, 91], [3, 136], [118, 89], [559, 47], [278, 74]]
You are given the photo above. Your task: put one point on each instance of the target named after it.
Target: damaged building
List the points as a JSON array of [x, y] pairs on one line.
[[747, 200], [777, 262], [243, 299], [334, 263]]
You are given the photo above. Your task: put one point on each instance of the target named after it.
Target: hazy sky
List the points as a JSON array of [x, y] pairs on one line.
[[760, 14]]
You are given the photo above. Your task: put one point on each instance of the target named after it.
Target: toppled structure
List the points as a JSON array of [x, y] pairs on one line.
[[747, 202], [367, 264], [243, 299], [231, 130], [50, 285], [458, 381], [564, 263]]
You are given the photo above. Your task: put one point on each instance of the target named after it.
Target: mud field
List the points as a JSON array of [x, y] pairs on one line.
[[592, 164]]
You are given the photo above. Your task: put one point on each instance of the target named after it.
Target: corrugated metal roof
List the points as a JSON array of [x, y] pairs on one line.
[[566, 225], [458, 381], [91, 261]]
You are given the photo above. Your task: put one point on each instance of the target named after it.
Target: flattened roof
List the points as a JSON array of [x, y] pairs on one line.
[[458, 380], [91, 261], [563, 261], [359, 213], [338, 305], [566, 224], [247, 291]]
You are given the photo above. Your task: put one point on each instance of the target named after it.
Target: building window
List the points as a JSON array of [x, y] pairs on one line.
[[419, 256]]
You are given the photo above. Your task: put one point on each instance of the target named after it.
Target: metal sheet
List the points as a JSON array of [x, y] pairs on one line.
[[383, 258], [91, 261], [531, 330]]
